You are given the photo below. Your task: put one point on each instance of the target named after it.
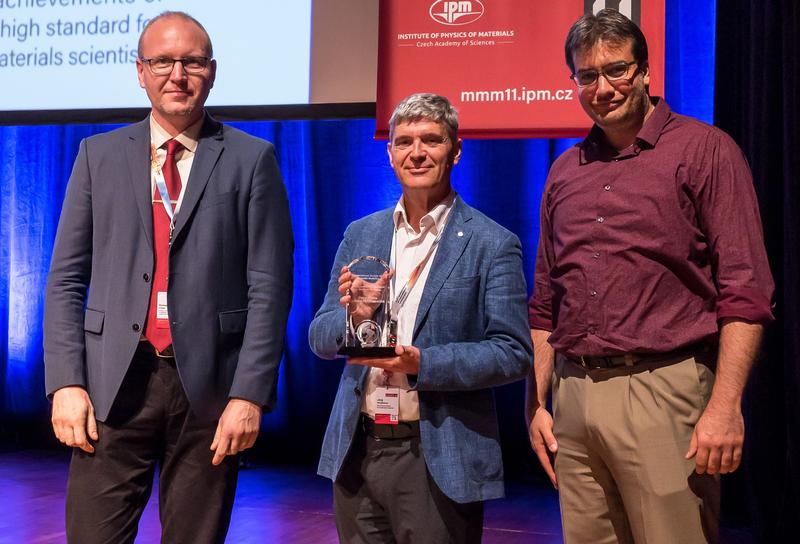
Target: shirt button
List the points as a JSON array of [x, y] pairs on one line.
[[607, 187], [146, 277], [593, 293], [135, 327], [596, 255], [592, 330], [600, 219]]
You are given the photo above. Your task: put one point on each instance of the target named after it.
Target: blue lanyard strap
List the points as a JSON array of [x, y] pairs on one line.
[[161, 185]]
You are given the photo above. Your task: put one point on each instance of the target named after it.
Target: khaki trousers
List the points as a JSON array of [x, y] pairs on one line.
[[623, 434]]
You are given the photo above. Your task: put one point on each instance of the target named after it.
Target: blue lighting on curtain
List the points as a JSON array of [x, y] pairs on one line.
[[690, 39], [335, 172]]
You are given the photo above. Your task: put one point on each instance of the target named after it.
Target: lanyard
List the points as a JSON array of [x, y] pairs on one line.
[[402, 296], [161, 185]]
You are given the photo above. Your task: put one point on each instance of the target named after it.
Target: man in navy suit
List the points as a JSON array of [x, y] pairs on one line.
[[166, 304], [412, 444]]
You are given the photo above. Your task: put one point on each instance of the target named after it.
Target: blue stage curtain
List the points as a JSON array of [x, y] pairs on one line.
[[335, 172]]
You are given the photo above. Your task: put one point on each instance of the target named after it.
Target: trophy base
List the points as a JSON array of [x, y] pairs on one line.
[[374, 352]]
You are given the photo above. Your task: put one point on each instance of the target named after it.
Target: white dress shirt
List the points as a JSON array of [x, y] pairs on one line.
[[409, 248], [184, 158]]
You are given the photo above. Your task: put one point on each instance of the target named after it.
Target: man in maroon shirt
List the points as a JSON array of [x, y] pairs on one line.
[[651, 291]]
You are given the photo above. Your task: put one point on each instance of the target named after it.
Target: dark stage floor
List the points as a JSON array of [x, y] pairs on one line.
[[273, 505]]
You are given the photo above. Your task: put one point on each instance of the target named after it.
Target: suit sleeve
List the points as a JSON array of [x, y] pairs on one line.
[[68, 281], [326, 329], [269, 278], [505, 353]]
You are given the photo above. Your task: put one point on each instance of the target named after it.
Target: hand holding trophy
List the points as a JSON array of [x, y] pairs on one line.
[[364, 286]]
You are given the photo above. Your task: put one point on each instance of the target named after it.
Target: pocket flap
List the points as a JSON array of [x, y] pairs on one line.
[[211, 200], [93, 321], [456, 283], [232, 321]]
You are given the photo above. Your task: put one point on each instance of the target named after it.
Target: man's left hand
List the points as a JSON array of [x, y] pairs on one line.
[[237, 429], [717, 440], [407, 361]]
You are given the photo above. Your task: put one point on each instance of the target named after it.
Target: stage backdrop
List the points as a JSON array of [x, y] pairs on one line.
[[335, 172], [501, 62]]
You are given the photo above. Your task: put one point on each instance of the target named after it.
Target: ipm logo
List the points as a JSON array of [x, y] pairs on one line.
[[459, 12]]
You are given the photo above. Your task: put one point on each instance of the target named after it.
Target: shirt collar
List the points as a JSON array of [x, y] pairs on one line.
[[188, 138], [654, 126], [595, 147], [434, 219]]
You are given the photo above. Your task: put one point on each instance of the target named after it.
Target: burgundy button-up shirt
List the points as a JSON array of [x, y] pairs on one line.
[[645, 250]]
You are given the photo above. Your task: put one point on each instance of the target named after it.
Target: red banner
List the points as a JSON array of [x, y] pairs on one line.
[[500, 62]]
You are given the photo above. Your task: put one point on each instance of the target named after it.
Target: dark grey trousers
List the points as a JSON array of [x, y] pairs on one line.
[[385, 494], [150, 425]]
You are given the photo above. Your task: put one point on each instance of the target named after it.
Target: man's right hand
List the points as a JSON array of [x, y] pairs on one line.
[[540, 432], [73, 418]]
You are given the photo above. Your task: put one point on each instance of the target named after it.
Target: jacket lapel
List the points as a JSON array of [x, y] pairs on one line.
[[138, 156], [455, 238], [209, 148], [379, 236]]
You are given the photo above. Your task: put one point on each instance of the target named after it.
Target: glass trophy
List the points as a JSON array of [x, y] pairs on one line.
[[369, 329]]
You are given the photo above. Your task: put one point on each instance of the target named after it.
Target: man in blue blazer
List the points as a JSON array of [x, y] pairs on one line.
[[412, 444], [166, 304]]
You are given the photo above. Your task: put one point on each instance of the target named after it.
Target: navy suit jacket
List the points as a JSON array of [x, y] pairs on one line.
[[472, 332], [230, 270]]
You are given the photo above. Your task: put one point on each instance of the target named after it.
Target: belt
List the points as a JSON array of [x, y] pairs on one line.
[[403, 429], [148, 348], [631, 359]]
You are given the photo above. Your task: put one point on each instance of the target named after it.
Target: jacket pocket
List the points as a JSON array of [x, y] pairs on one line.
[[93, 321], [460, 283], [233, 321], [212, 200]]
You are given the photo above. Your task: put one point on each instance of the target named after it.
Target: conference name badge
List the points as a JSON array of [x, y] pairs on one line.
[[387, 405], [162, 315]]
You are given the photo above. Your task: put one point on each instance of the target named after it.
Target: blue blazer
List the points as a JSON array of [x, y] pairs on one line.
[[230, 277], [472, 331]]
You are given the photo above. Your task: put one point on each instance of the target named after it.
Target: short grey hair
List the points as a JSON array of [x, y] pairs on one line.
[[180, 15], [429, 107]]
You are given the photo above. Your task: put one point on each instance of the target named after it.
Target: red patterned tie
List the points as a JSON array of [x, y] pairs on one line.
[[157, 330]]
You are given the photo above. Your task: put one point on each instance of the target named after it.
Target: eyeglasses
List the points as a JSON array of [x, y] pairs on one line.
[[161, 66], [612, 72], [428, 141]]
